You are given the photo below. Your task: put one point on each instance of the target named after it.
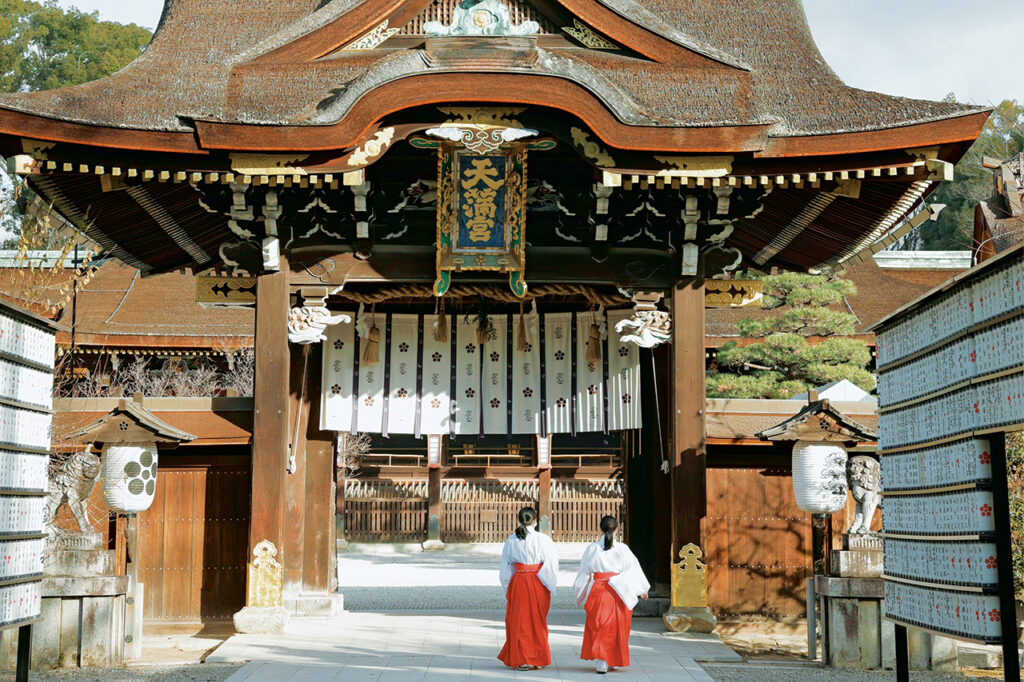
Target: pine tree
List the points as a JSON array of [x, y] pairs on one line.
[[779, 361]]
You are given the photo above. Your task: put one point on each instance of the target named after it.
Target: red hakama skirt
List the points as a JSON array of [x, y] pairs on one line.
[[606, 633], [526, 620]]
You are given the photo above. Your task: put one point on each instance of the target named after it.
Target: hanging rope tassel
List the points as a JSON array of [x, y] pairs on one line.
[[523, 336], [371, 349], [441, 324], [483, 331], [593, 354]]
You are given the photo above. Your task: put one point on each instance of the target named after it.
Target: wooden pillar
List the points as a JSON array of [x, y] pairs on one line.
[[688, 465], [293, 554], [689, 443], [542, 460], [270, 410], [434, 541], [544, 500]]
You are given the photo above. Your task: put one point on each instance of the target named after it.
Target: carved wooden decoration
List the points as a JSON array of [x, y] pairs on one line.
[[732, 293], [217, 290]]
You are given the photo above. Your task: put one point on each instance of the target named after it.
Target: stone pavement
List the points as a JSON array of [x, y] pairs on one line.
[[449, 645]]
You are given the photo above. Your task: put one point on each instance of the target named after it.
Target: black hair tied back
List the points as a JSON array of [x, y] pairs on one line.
[[527, 515], [608, 526]]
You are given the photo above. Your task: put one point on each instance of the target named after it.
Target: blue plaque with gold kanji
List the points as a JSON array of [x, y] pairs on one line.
[[481, 200], [481, 213]]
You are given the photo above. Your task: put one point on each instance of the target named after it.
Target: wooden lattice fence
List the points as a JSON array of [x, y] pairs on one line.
[[577, 508], [385, 511], [477, 510]]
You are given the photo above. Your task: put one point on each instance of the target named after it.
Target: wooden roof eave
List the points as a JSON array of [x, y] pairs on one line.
[[516, 89], [427, 89], [534, 90], [154, 428], [16, 125], [964, 128], [819, 421]]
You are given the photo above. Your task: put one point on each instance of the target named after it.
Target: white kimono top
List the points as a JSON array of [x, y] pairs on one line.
[[630, 582], [537, 548]]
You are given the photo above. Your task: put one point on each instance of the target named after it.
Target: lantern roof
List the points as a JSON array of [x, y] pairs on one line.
[[130, 422], [820, 421]]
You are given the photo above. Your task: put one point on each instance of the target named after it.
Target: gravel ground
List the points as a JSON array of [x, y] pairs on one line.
[[784, 672], [156, 673]]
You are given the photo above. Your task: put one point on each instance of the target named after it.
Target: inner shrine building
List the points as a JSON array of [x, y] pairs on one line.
[[479, 227]]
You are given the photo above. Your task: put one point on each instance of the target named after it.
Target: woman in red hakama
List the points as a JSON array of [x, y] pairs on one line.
[[609, 583], [529, 574]]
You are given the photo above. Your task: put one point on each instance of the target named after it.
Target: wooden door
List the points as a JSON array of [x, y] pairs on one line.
[[194, 539], [758, 543]]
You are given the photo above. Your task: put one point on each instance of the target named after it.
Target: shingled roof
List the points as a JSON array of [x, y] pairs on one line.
[[119, 309], [277, 62]]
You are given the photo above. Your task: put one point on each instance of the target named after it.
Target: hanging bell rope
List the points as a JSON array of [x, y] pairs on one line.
[[493, 293]]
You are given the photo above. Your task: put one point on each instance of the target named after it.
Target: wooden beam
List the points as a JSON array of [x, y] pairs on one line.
[[270, 409], [689, 443]]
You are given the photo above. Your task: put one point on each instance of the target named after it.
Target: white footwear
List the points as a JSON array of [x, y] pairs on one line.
[[602, 667]]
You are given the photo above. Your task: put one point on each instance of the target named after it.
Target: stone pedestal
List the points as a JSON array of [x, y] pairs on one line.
[[318, 605], [433, 542], [860, 557], [690, 619], [857, 636], [83, 609], [261, 620]]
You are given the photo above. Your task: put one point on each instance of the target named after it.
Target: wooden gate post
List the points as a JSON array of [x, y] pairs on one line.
[[270, 427], [542, 448], [688, 504], [544, 500], [434, 450]]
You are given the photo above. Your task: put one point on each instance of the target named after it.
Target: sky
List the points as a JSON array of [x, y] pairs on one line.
[[915, 48]]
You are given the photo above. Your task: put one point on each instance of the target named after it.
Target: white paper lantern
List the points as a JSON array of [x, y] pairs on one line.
[[819, 477], [129, 477]]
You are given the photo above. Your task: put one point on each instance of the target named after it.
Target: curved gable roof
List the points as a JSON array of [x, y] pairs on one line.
[[738, 62]]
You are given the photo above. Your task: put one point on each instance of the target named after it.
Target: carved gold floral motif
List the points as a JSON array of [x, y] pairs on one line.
[[591, 149], [585, 35], [372, 148], [374, 38]]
